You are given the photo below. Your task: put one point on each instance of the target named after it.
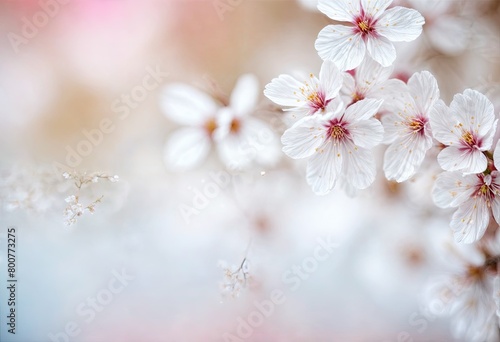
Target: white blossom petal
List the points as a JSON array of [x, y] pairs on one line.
[[323, 168], [330, 79], [186, 105], [366, 133], [442, 124], [451, 189], [470, 221], [341, 45], [362, 110], [381, 50], [282, 91], [424, 89], [186, 148], [340, 10], [453, 158], [245, 95], [304, 137], [400, 24], [375, 7], [403, 158], [358, 165]]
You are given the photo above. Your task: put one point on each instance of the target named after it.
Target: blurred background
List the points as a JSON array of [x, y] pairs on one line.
[[64, 66]]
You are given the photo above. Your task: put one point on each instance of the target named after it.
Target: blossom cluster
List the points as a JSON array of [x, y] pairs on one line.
[[337, 120]]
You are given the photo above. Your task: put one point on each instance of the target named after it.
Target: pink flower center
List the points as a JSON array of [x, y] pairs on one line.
[[365, 24], [337, 130], [470, 140], [417, 124], [317, 100], [486, 188]]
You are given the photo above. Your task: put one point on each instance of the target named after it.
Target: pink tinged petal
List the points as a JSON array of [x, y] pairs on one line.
[[375, 7], [245, 95], [330, 79], [391, 91], [283, 91], [186, 148], [470, 221], [340, 10], [323, 168], [476, 113], [400, 24], [341, 45], [403, 158], [453, 158], [304, 137], [451, 189], [381, 50], [358, 166], [186, 105], [366, 133], [424, 89], [496, 155], [362, 110], [443, 125], [450, 34]]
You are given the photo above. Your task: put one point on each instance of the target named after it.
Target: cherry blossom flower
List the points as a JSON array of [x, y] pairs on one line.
[[242, 139], [307, 97], [374, 28], [369, 80], [189, 146], [476, 196], [465, 294], [467, 128], [338, 146], [408, 129]]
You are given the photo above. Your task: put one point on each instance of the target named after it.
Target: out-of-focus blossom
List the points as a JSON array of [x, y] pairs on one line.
[[374, 28], [338, 146], [408, 129], [467, 128], [466, 295], [310, 96], [189, 146], [241, 139]]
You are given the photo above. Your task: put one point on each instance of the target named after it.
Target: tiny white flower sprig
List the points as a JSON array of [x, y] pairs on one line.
[[75, 208], [235, 279]]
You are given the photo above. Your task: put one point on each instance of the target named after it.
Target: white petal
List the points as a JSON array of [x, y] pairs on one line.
[[186, 148], [348, 88], [245, 95], [470, 221], [370, 73], [496, 155], [362, 110], [186, 105], [381, 50], [392, 127], [424, 89], [283, 91], [451, 189], [475, 112], [443, 124], [330, 79], [340, 10], [454, 159], [403, 158], [304, 137], [400, 24], [366, 133], [235, 152], [358, 165], [341, 45], [375, 7], [323, 168]]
